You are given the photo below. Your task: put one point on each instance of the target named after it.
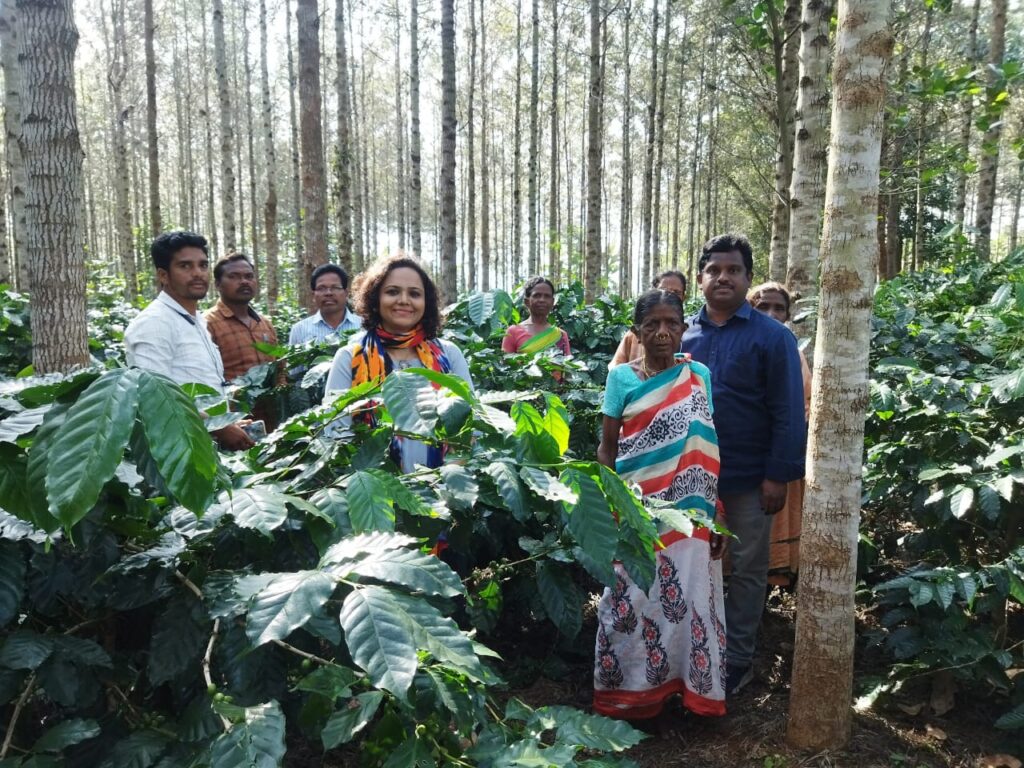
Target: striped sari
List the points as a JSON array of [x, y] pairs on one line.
[[670, 640]]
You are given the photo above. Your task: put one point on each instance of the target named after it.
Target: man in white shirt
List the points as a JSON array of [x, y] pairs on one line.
[[329, 284], [169, 336]]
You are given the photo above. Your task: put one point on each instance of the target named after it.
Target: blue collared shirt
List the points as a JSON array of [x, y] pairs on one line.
[[315, 328], [758, 393]]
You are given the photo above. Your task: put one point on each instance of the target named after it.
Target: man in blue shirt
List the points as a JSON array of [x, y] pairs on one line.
[[758, 396], [329, 284]]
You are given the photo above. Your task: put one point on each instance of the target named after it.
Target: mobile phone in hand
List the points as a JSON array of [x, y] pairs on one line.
[[256, 430]]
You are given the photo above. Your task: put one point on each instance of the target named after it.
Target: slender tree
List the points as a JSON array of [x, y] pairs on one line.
[[344, 169], [117, 74], [485, 160], [51, 147], [554, 239], [989, 163], [659, 150], [964, 154], [227, 134], [810, 157], [825, 631], [271, 278], [517, 153], [469, 220], [447, 228], [648, 179], [533, 265], [400, 190], [415, 173], [9, 36], [786, 44], [314, 177], [250, 142], [293, 120], [922, 128], [152, 138], [594, 151], [211, 218], [626, 195]]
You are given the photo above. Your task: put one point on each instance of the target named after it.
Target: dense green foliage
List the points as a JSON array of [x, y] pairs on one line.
[[943, 472]]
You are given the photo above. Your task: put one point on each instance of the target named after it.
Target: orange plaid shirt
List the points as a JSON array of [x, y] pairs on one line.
[[235, 339]]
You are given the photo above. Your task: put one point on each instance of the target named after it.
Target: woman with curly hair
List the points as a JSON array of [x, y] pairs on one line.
[[535, 334], [402, 320]]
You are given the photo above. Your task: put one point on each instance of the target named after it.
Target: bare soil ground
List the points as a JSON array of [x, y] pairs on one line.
[[753, 733]]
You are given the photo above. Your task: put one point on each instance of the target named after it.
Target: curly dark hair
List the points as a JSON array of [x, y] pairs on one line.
[[164, 246], [533, 282], [653, 298], [366, 288]]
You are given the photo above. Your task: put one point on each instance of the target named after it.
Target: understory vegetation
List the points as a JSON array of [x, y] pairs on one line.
[[165, 605]]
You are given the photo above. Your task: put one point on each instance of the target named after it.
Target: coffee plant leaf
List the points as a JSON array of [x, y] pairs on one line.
[[561, 600], [353, 716], [414, 570], [588, 731], [65, 734], [510, 487], [379, 638], [332, 681], [369, 507], [181, 448], [350, 548], [411, 753], [591, 523], [411, 402], [286, 604], [18, 424], [12, 580], [258, 742], [141, 749], [259, 509]]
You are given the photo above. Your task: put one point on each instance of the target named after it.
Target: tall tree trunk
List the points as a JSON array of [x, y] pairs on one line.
[[358, 165], [626, 196], [301, 283], [449, 271], [10, 33], [344, 199], [533, 267], [517, 154], [810, 158], [52, 150], [415, 176], [786, 46], [691, 226], [257, 256], [989, 163], [647, 194], [485, 164], [964, 154], [211, 216], [659, 151], [235, 86], [400, 190], [470, 218], [677, 168], [117, 73], [554, 244], [594, 151], [152, 139], [227, 135], [825, 631], [271, 278], [314, 176], [922, 128]]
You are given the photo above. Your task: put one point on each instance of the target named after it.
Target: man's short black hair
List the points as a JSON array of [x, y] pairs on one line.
[[164, 246], [325, 269], [727, 243], [223, 261]]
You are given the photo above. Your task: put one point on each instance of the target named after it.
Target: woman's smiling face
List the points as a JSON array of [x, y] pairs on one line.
[[402, 300]]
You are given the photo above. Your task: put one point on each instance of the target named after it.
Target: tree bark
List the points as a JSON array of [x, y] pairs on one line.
[[626, 196], [51, 147], [592, 274], [449, 267], [257, 256], [152, 138], [227, 135], [117, 72], [400, 190], [517, 154], [647, 194], [344, 171], [554, 240], [270, 161], [358, 165], [485, 191], [786, 46], [301, 283], [989, 163], [314, 176], [659, 151], [533, 266], [810, 158], [964, 154], [9, 37], [211, 216], [470, 219], [922, 128], [825, 631], [415, 175]]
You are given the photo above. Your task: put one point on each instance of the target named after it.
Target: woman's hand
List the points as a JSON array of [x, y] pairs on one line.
[[717, 542]]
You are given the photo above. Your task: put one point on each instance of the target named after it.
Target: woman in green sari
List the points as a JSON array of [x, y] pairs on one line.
[[535, 334]]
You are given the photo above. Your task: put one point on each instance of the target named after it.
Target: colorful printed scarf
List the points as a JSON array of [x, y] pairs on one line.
[[371, 362]]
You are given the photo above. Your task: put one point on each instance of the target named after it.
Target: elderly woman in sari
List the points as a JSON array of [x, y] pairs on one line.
[[535, 334], [658, 433]]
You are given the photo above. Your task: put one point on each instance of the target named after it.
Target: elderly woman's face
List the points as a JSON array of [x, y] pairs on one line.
[[661, 330], [402, 300], [773, 304]]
